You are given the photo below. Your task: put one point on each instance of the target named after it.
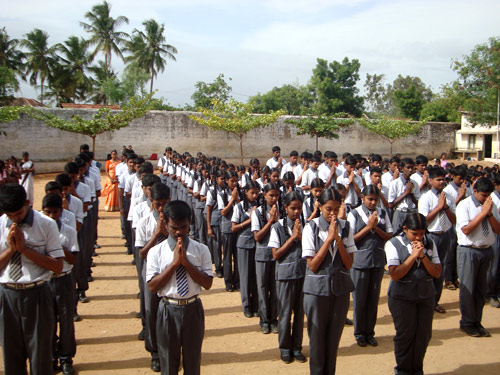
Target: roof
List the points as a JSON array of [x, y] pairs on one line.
[[88, 106], [26, 102]]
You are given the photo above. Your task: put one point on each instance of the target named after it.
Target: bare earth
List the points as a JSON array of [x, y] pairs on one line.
[[107, 335]]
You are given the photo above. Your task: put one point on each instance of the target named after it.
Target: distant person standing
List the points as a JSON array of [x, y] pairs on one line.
[[27, 172], [442, 160]]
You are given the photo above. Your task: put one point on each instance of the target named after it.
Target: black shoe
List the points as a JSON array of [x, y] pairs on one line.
[[287, 358], [90, 279], [219, 274], [122, 237], [155, 365], [138, 315], [96, 246], [77, 318], [125, 244], [142, 335], [248, 314], [139, 295], [471, 331], [82, 297], [265, 329], [236, 287], [348, 322], [274, 328], [372, 341], [133, 262], [495, 302], [55, 365], [92, 264], [482, 331], [361, 341], [256, 314], [299, 357], [67, 368], [229, 289], [129, 252]]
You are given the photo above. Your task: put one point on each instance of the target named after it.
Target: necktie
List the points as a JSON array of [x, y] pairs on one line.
[[161, 238], [442, 220], [15, 270], [484, 227], [182, 282]]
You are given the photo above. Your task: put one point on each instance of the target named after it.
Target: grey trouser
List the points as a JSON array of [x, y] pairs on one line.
[[290, 299], [443, 243], [248, 284], [494, 271], [230, 260], [266, 290], [151, 302]]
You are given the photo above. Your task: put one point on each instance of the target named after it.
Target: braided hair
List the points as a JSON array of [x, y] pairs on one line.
[[268, 187], [289, 198]]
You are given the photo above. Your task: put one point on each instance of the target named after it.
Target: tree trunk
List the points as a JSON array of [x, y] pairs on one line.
[[316, 143], [391, 147], [41, 90], [152, 76], [93, 145], [241, 149]]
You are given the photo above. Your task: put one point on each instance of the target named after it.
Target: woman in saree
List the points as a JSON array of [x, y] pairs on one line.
[[110, 190]]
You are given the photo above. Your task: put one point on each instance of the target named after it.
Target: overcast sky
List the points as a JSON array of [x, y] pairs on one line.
[[263, 44]]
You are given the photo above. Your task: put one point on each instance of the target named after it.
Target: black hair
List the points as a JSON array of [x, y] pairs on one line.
[[407, 161], [294, 153], [12, 197], [63, 179], [496, 178], [345, 155], [53, 185], [415, 221], [150, 179], [351, 160], [80, 163], [160, 191], [131, 155], [394, 159], [459, 171], [421, 159], [25, 153], [329, 195], [336, 186], [330, 155], [139, 160], [370, 190], [71, 168], [317, 182], [436, 171], [251, 184], [276, 148], [146, 167], [254, 161], [305, 155], [375, 170], [177, 211], [315, 159], [52, 200], [84, 156], [289, 198], [484, 185], [376, 157], [268, 187], [84, 147]]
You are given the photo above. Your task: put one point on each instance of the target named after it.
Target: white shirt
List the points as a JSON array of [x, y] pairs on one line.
[[308, 248], [467, 210], [419, 178], [75, 205], [387, 178], [123, 178], [324, 172], [296, 169], [130, 182], [255, 225], [274, 239], [309, 175], [40, 234], [351, 196], [429, 202], [141, 209], [397, 188], [68, 218], [121, 169], [452, 189], [68, 238], [145, 229], [391, 253], [273, 163], [162, 255]]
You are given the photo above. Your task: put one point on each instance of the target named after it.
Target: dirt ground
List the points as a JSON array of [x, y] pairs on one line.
[[107, 335]]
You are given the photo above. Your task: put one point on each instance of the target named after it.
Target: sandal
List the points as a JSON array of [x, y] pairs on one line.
[[449, 285], [440, 309]]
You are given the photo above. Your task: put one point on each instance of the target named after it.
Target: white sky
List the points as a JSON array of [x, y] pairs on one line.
[[263, 44]]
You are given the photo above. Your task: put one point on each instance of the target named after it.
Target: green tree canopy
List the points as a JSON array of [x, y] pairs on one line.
[[235, 118], [11, 56], [206, 93], [335, 87], [294, 99]]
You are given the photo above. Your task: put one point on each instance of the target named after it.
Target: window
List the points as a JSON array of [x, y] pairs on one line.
[[472, 141]]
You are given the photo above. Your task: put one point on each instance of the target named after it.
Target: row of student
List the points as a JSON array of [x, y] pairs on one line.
[[22, 172]]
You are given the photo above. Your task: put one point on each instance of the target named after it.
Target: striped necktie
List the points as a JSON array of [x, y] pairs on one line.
[[442, 220], [182, 281], [161, 238], [15, 270], [484, 227]]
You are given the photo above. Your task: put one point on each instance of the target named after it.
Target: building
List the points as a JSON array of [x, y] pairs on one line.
[[476, 142]]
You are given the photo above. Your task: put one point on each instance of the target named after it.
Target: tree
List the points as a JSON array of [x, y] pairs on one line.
[[11, 56], [324, 126], [409, 102], [149, 49], [103, 78], [391, 129], [294, 99], [8, 85], [235, 118], [104, 120], [479, 76], [205, 93], [103, 32], [376, 93], [335, 87], [38, 57]]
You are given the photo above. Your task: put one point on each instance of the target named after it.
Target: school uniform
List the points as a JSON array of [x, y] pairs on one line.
[[181, 319], [27, 317], [84, 242], [351, 198], [172, 168], [215, 243], [308, 207], [161, 163], [494, 270], [474, 255], [273, 163], [149, 301], [290, 272], [406, 206], [27, 181], [191, 202], [230, 255], [63, 290], [324, 172], [126, 229], [296, 169], [387, 178], [265, 269], [75, 206], [411, 302], [326, 294], [245, 245], [199, 206], [309, 175], [438, 229], [367, 269], [418, 178]]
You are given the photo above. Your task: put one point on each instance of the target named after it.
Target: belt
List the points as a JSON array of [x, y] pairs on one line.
[[58, 275], [409, 210], [438, 233], [477, 247], [23, 286], [179, 302]]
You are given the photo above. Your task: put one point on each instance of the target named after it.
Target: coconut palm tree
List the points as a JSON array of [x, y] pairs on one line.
[[103, 32], [10, 55], [38, 57], [149, 49]]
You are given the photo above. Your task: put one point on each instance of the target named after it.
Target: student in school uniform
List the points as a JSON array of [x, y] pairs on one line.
[[494, 270], [375, 162], [413, 263], [392, 173], [177, 270], [150, 232], [245, 244], [124, 201], [352, 181], [293, 165], [200, 203], [226, 201], [421, 175], [477, 222], [63, 288], [30, 249], [276, 161], [327, 171], [310, 208], [214, 218], [263, 217], [375, 178], [439, 210], [372, 228], [67, 217], [327, 245], [27, 173], [403, 194], [309, 174], [285, 242]]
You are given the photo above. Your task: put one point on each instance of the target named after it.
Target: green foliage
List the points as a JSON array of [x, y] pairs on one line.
[[294, 99], [8, 84], [391, 129], [479, 74], [205, 93], [409, 101], [376, 93], [11, 113], [335, 87], [235, 118]]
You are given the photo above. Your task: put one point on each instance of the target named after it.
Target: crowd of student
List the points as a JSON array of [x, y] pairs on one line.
[[293, 237]]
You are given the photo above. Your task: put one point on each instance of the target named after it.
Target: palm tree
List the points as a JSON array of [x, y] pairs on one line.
[[103, 30], [149, 49], [10, 55], [38, 57], [102, 80], [76, 59]]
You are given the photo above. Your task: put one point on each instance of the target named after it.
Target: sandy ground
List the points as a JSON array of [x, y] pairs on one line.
[[107, 335]]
